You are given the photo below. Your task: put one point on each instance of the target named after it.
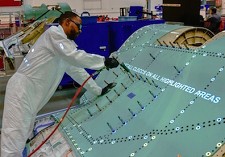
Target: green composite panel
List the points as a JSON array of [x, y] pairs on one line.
[[44, 11], [172, 103]]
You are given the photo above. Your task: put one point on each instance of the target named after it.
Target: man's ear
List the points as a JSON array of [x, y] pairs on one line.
[[67, 22]]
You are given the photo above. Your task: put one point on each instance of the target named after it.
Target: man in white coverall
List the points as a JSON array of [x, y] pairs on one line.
[[37, 78]]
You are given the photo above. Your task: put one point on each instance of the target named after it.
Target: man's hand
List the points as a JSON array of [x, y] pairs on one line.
[[111, 63], [108, 88]]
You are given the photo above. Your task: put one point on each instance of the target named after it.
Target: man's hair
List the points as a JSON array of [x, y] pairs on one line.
[[67, 14], [213, 10]]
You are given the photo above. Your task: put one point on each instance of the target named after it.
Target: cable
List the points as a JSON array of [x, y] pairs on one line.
[[71, 103]]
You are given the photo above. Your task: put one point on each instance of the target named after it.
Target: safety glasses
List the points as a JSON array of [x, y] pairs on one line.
[[77, 24]]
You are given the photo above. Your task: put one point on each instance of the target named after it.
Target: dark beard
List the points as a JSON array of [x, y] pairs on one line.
[[72, 35]]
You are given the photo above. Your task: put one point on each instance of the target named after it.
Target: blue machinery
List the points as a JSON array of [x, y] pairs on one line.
[[172, 104]]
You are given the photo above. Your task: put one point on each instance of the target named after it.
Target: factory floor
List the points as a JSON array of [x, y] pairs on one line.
[[59, 100]]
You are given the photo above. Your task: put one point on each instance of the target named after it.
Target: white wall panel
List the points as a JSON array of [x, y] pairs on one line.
[[95, 7], [155, 3], [98, 7]]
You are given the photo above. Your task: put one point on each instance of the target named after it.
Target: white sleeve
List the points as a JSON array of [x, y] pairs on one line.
[[67, 50], [80, 75]]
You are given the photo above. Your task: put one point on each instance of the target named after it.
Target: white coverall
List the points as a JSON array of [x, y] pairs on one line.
[[36, 80]]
